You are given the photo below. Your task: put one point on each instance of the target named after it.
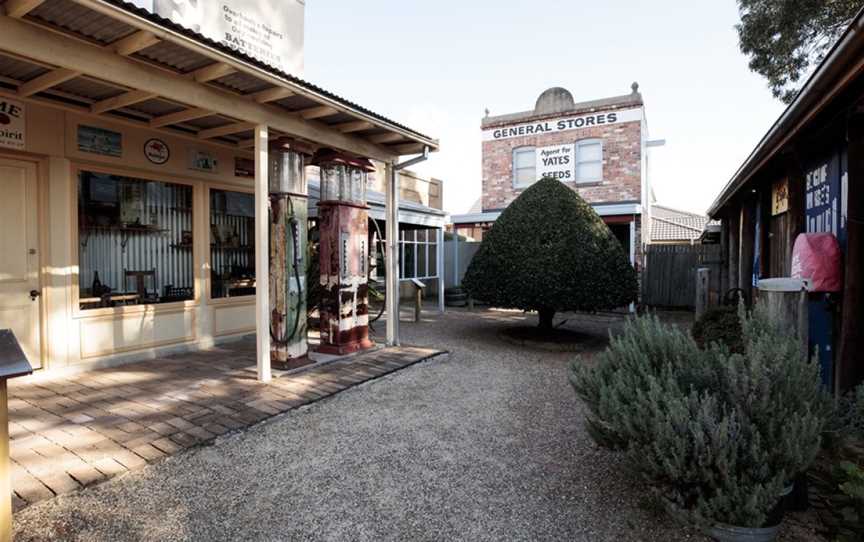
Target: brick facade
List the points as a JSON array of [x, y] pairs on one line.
[[622, 161]]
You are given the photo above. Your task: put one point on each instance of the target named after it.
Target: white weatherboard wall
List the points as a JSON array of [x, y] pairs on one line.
[[75, 337]]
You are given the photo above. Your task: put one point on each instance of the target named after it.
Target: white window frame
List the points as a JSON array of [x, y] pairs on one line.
[[584, 143], [428, 246], [517, 150]]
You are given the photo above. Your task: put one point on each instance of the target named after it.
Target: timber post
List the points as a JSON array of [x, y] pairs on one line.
[[850, 367], [703, 276]]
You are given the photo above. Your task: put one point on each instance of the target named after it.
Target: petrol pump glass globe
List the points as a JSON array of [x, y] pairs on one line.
[[344, 183], [358, 186], [332, 178], [287, 172]]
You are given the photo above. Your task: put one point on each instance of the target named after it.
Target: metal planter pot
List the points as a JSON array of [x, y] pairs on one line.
[[730, 533]]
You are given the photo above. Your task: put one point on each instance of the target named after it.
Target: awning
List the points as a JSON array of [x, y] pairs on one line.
[[112, 59]]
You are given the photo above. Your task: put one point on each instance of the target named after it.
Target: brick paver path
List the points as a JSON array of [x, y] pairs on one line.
[[73, 431]]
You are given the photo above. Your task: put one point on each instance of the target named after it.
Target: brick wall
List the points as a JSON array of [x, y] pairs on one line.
[[621, 163]]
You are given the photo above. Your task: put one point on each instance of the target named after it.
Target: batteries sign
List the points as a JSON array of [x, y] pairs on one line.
[[267, 30], [557, 161]]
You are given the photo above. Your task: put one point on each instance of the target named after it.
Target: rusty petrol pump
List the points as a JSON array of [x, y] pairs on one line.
[[288, 253], [344, 252]]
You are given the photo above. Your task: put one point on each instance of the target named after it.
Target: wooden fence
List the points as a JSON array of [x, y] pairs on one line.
[[669, 277]]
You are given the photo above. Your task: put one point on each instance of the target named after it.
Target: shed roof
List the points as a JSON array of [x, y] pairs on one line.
[[843, 63], [668, 224]]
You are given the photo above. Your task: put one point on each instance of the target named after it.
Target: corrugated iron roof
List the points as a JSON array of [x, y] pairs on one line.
[[168, 24], [81, 20], [19, 70]]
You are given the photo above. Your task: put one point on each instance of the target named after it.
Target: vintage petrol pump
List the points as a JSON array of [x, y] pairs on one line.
[[288, 228], [344, 229]]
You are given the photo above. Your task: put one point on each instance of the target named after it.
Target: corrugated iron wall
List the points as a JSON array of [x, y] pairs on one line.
[[162, 242]]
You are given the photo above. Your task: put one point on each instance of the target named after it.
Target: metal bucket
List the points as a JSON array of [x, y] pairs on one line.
[[729, 533]]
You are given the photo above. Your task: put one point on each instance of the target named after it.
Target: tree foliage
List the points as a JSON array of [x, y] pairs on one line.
[[785, 39], [549, 251]]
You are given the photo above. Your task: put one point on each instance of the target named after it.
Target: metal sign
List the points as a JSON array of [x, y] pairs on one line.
[[157, 151], [826, 197], [557, 162], [13, 124], [100, 141], [780, 197]]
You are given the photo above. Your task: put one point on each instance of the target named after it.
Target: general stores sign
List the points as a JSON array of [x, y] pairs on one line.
[[557, 161], [563, 124], [13, 124]]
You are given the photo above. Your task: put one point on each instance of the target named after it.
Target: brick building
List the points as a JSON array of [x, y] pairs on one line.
[[598, 148]]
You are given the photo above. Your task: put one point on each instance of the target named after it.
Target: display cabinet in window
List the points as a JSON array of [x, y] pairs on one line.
[[132, 241], [232, 243]]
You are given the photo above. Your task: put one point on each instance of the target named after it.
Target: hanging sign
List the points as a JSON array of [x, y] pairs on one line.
[[780, 197], [157, 151], [13, 125], [556, 161]]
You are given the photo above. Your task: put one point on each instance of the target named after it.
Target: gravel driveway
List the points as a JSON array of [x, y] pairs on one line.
[[487, 444]]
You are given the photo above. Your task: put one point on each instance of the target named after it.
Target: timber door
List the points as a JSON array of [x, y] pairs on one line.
[[19, 260]]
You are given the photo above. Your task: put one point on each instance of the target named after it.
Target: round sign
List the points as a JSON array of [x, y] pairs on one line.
[[157, 151]]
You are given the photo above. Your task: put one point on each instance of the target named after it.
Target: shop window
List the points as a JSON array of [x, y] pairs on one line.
[[232, 243], [589, 161], [134, 241], [418, 251], [524, 167]]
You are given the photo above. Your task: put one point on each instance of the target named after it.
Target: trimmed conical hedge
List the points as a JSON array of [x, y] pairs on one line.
[[549, 251]]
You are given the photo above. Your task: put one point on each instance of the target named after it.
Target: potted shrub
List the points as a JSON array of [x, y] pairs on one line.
[[718, 434]]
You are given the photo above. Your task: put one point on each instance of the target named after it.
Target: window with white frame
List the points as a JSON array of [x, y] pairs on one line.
[[524, 167], [418, 254], [589, 161]]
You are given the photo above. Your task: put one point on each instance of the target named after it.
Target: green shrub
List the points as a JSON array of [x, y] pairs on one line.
[[846, 423], [547, 252], [718, 433], [719, 325]]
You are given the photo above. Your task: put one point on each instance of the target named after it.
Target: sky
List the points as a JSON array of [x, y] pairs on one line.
[[435, 67]]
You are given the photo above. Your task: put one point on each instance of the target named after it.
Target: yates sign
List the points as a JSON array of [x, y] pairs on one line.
[[557, 161], [13, 124], [562, 124]]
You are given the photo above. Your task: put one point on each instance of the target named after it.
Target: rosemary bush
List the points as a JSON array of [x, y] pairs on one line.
[[717, 433]]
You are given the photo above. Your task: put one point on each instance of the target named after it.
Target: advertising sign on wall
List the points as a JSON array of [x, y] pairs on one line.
[[13, 124], [780, 197], [557, 161], [825, 197], [562, 124], [267, 30], [100, 141]]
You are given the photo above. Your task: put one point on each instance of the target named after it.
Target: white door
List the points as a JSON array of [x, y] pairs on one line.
[[19, 260]]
